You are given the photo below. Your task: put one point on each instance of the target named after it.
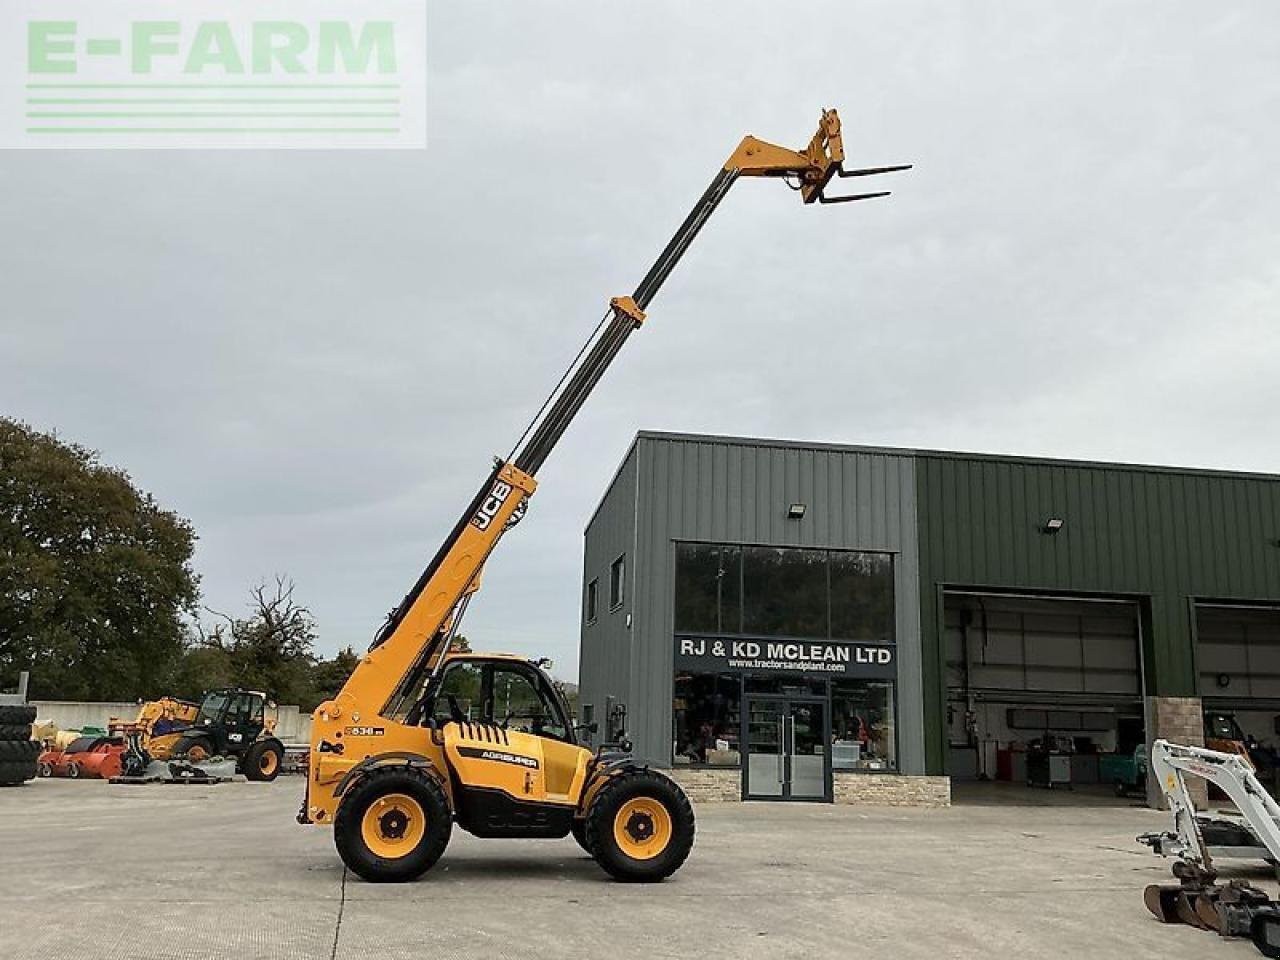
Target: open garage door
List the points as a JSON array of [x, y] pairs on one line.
[[1238, 655], [1043, 692]]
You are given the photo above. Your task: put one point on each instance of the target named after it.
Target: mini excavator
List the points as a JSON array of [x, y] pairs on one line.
[[422, 736]]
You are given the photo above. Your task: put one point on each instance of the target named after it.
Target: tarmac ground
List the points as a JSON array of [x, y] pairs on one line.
[[94, 871]]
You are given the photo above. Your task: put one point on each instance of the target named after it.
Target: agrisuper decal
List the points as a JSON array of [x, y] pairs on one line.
[[832, 658], [498, 756]]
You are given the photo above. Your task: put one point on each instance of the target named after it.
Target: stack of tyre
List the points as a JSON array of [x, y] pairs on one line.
[[18, 752]]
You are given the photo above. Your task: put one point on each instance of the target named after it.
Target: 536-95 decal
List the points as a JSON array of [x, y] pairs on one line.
[[365, 731]]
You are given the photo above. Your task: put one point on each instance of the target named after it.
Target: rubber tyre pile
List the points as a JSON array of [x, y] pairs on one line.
[[18, 752]]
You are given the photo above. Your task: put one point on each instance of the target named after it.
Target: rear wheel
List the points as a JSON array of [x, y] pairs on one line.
[[579, 831], [640, 827], [393, 825], [262, 761], [73, 770], [193, 750]]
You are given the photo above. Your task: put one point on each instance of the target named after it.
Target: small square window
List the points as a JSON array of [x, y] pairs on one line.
[[617, 574], [593, 591]]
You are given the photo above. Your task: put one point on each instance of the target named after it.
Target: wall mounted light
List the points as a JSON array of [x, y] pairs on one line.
[[796, 511], [1053, 525]]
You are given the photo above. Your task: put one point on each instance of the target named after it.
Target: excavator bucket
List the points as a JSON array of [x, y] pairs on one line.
[[1162, 900], [1185, 907], [1207, 911]]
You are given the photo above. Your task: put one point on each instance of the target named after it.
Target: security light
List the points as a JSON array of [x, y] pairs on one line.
[[1054, 524], [796, 511]]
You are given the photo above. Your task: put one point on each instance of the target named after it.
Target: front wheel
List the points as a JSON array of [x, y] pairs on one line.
[[640, 827], [393, 825], [262, 761]]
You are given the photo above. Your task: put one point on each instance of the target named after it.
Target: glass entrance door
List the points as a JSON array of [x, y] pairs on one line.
[[787, 752]]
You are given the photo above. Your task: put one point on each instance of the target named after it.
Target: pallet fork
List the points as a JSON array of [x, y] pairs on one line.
[[1234, 909]]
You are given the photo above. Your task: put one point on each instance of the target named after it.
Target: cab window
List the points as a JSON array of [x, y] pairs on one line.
[[238, 711], [462, 682], [517, 703]]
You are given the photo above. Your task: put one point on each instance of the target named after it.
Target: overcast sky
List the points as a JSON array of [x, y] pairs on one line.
[[314, 355]]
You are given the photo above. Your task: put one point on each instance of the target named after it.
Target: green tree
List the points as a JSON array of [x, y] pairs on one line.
[[95, 577], [272, 649], [328, 676]]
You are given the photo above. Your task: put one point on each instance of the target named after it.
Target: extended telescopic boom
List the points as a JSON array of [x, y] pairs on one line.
[[417, 633]]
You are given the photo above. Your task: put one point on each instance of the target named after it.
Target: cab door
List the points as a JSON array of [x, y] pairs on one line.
[[518, 701], [242, 722]]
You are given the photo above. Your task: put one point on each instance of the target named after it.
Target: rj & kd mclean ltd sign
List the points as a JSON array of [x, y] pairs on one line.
[[709, 654]]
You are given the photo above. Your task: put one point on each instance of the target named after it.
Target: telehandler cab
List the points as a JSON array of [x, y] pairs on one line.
[[422, 737]]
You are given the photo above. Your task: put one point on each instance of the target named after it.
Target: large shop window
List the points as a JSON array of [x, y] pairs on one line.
[[707, 719], [862, 722], [784, 592]]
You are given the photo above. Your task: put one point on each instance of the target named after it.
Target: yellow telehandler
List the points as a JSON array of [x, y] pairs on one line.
[[422, 737]]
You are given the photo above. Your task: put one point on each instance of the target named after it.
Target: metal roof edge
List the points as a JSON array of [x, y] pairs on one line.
[[631, 448], [923, 453]]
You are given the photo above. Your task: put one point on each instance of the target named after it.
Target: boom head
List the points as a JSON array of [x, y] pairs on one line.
[[809, 169]]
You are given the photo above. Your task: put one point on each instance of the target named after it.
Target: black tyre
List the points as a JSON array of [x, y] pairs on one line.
[[640, 827], [262, 761], [44, 769], [393, 825], [579, 831], [18, 750], [192, 749], [73, 770], [18, 716], [15, 731], [13, 772]]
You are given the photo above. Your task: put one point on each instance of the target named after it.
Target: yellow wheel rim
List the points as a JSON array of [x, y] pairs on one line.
[[642, 828], [268, 762], [393, 826]]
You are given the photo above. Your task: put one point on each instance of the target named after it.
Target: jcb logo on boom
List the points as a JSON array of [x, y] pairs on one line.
[[492, 504]]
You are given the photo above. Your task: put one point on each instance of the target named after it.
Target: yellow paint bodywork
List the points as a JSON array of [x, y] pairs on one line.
[[525, 766]]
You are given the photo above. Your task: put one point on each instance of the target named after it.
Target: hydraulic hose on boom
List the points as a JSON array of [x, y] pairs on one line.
[[416, 636]]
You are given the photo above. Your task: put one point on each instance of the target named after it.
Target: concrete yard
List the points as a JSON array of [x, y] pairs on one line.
[[90, 871]]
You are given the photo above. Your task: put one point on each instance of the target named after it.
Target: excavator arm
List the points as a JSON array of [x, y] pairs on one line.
[[412, 644]]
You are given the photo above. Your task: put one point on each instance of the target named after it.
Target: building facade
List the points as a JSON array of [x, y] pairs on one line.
[[791, 621]]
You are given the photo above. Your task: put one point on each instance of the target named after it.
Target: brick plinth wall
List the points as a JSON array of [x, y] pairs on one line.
[[707, 785], [881, 789], [1179, 720], [892, 790]]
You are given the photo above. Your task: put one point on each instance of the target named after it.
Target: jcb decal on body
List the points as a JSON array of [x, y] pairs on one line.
[[492, 504], [366, 731], [499, 756]]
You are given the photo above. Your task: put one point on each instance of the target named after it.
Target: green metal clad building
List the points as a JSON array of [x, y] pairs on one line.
[[776, 620]]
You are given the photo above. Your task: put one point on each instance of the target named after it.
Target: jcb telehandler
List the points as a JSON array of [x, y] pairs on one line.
[[226, 723], [421, 738]]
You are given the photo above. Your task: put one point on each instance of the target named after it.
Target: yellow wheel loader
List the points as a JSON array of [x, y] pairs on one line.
[[422, 738]]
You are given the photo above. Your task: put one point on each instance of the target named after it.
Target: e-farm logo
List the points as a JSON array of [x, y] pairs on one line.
[[213, 73]]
